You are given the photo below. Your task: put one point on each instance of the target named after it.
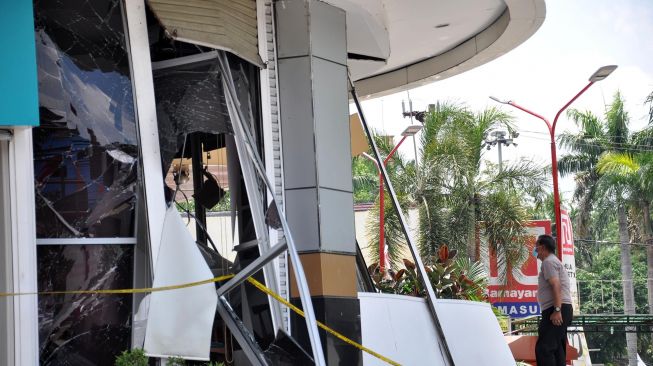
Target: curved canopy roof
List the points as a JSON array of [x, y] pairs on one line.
[[392, 45], [397, 44]]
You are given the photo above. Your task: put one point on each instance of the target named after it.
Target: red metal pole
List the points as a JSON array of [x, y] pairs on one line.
[[554, 161], [381, 224], [556, 196], [385, 162], [382, 258]]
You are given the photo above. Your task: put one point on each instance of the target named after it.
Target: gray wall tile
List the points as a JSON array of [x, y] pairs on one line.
[[292, 28], [328, 30], [302, 215], [337, 221], [331, 113], [297, 130]]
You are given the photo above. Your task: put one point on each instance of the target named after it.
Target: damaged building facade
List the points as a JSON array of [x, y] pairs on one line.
[[146, 144]]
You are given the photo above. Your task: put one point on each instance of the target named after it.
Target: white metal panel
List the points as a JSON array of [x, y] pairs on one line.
[[229, 25], [473, 333], [85, 241], [180, 321], [148, 132], [23, 235], [6, 262], [401, 328], [272, 135]]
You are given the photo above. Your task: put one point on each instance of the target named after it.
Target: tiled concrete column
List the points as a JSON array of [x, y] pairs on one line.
[[312, 55]]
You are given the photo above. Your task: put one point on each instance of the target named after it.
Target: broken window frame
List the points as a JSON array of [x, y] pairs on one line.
[[21, 244], [7, 336], [254, 191], [92, 243]]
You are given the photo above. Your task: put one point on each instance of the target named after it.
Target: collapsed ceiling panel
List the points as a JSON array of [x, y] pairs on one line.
[[229, 25]]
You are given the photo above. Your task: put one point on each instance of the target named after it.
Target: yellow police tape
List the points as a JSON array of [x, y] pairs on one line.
[[252, 281], [299, 311], [120, 291]]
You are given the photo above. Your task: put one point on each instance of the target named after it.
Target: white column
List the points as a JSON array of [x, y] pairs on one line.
[[23, 246], [148, 134]]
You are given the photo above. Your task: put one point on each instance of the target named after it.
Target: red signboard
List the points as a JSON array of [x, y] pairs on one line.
[[516, 295]]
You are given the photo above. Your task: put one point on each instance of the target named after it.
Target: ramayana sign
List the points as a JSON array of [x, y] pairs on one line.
[[516, 295]]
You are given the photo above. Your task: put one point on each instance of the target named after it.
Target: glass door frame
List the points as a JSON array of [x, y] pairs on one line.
[[16, 169]]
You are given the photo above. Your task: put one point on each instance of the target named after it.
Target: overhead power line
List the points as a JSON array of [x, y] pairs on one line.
[[618, 145]]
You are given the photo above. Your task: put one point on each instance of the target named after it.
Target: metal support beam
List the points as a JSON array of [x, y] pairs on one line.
[[198, 184], [252, 268], [241, 333], [244, 135], [430, 294], [257, 198]]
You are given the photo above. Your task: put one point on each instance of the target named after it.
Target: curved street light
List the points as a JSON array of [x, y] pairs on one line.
[[598, 75], [411, 130]]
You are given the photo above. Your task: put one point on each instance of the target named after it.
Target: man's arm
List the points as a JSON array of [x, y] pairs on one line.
[[557, 291], [556, 316]]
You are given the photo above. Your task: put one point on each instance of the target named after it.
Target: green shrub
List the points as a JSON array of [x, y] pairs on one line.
[[176, 361], [134, 357], [451, 278]]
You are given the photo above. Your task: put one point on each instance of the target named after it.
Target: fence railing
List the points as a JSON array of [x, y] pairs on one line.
[[605, 296]]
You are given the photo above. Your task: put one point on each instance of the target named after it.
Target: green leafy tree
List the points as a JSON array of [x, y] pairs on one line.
[[365, 180], [458, 199], [600, 293], [456, 195], [601, 188]]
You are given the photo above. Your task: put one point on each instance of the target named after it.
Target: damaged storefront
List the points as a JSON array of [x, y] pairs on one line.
[[176, 177], [93, 228]]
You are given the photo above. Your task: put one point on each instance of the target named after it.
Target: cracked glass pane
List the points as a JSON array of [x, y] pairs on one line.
[[84, 329], [189, 98], [85, 153]]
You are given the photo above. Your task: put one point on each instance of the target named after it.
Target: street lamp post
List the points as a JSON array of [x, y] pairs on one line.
[[599, 75], [409, 131], [500, 139]]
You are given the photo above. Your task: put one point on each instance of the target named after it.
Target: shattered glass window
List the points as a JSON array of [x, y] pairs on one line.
[[85, 179], [85, 153], [84, 329], [189, 98]]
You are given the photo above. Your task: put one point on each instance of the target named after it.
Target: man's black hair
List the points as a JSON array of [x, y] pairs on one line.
[[548, 242]]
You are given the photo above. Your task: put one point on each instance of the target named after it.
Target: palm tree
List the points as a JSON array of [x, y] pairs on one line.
[[634, 171], [613, 187], [596, 187], [458, 199]]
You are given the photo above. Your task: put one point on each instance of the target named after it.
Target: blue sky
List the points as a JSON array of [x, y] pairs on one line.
[[544, 72]]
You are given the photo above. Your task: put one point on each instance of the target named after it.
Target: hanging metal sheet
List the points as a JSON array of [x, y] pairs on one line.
[[228, 25], [180, 322]]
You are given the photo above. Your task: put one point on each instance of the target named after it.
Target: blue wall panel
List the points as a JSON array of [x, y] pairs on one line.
[[19, 97]]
